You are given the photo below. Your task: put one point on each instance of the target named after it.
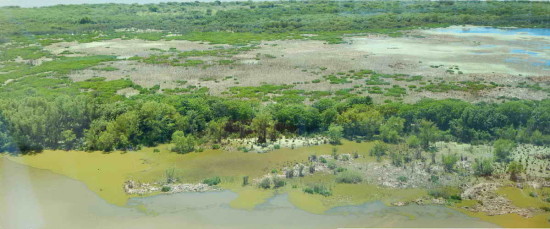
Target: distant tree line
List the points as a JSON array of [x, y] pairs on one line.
[[269, 17]]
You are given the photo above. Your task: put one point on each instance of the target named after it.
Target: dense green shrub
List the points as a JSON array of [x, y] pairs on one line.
[[212, 181], [349, 176], [265, 183], [483, 167], [318, 189]]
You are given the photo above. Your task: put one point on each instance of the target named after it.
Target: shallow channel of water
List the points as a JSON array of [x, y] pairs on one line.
[[34, 198], [502, 31]]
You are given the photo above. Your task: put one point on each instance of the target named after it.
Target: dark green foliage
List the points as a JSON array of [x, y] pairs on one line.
[[402, 179], [434, 179], [278, 182], [183, 143], [6, 143], [212, 181], [318, 189], [165, 189], [447, 193], [245, 180], [349, 176]]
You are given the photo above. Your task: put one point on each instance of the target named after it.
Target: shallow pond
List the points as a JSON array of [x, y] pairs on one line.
[[521, 51], [55, 201], [502, 31]]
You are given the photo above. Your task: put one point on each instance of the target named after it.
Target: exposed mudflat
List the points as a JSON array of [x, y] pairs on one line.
[[506, 59]]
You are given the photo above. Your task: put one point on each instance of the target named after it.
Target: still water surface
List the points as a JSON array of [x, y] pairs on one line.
[[34, 198]]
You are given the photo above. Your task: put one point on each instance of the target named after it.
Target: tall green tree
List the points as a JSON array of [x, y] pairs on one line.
[[335, 134], [392, 129], [158, 122], [216, 129], [427, 133], [261, 124]]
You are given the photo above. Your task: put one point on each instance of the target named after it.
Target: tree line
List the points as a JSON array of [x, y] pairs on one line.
[[270, 17], [87, 123]]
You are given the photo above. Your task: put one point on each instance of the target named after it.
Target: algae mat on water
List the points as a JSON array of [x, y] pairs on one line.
[[105, 173]]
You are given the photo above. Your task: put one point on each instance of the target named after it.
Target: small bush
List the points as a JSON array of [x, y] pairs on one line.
[[335, 153], [245, 180], [483, 167], [331, 165], [289, 173], [345, 157], [349, 177], [216, 146], [212, 181], [455, 197], [547, 209], [156, 151], [278, 182], [402, 179], [449, 162], [277, 146], [165, 189], [318, 189], [323, 160], [533, 194], [170, 175], [312, 157], [312, 169], [265, 183], [434, 179], [340, 169], [445, 193]]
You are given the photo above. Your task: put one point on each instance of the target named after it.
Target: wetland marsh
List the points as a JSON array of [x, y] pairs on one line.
[[298, 114]]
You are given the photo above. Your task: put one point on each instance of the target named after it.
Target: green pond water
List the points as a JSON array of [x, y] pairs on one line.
[[35, 198]]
